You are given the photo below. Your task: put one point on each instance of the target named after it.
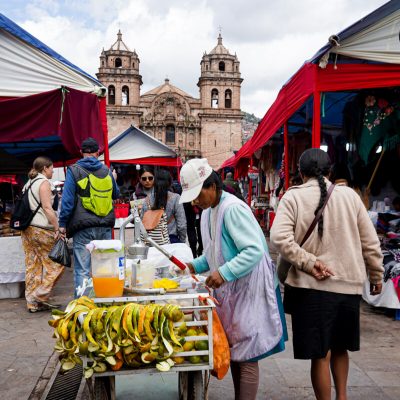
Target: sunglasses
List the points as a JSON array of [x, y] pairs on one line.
[[147, 178]]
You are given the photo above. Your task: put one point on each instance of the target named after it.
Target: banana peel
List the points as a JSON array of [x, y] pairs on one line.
[[129, 334]]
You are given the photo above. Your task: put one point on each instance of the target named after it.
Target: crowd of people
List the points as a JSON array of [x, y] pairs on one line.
[[322, 289]]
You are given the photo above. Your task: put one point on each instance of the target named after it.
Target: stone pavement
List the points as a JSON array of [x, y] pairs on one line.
[[27, 360], [26, 345]]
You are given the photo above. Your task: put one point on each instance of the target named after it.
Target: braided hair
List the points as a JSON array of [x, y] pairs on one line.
[[315, 163]]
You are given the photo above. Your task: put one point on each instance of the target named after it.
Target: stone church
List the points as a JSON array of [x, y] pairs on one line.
[[208, 126]]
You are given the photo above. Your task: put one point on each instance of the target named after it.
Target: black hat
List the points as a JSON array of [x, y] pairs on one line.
[[89, 145]]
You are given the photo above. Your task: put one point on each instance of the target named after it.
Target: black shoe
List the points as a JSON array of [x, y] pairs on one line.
[[41, 307]]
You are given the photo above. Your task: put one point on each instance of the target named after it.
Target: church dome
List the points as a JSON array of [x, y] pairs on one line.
[[119, 44], [220, 49]]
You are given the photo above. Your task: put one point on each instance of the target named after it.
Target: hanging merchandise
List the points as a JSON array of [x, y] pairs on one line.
[[253, 173], [378, 122]]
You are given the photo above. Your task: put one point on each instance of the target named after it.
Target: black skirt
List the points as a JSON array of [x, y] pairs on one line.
[[323, 321]]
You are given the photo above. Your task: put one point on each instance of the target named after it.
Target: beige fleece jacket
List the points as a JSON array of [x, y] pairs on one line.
[[349, 245]]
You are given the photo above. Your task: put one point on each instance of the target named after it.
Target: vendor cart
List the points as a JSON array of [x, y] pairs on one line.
[[193, 378]]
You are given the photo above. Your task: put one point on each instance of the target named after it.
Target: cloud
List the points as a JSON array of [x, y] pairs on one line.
[[271, 39]]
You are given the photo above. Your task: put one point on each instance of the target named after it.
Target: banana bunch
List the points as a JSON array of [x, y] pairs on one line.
[[130, 334]]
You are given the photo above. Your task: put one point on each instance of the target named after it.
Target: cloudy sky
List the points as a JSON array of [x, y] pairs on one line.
[[271, 38]]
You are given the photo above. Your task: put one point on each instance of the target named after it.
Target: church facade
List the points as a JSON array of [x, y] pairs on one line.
[[209, 126]]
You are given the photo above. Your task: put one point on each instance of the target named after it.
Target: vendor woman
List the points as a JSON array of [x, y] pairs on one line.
[[241, 274]]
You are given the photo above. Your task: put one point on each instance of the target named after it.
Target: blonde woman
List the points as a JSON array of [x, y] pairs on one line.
[[41, 273]]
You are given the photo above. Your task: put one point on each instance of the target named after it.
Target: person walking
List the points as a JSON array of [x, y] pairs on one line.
[[241, 274], [38, 239], [232, 186], [327, 274], [193, 216], [85, 214]]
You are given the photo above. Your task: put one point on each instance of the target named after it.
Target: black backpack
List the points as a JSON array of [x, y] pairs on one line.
[[23, 215]]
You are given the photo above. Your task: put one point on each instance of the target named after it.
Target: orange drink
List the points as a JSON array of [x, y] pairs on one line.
[[108, 286]]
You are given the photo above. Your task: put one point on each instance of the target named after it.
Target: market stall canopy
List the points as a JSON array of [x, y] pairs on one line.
[[48, 106], [373, 38], [337, 75], [135, 146], [28, 66]]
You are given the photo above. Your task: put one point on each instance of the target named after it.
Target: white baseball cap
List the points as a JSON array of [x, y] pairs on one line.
[[193, 174]]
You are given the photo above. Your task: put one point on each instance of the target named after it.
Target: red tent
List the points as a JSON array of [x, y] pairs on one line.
[[47, 104], [363, 56]]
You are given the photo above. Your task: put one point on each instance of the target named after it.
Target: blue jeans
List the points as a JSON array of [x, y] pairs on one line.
[[82, 260]]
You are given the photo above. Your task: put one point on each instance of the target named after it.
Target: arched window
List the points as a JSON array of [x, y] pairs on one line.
[[228, 98], [133, 65], [207, 67], [170, 134], [214, 98], [237, 68], [102, 63], [221, 66], [125, 95], [111, 94], [118, 63]]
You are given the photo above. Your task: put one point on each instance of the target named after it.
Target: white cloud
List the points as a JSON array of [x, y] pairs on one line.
[[271, 39]]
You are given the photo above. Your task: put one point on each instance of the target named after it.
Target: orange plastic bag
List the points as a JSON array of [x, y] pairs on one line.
[[221, 353]]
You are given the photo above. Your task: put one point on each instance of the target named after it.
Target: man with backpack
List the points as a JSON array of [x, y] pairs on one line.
[[87, 211]]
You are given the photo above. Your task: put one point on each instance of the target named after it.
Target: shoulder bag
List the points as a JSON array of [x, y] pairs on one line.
[[151, 218]]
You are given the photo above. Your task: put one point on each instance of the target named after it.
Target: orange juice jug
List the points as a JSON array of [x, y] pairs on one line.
[[108, 272]]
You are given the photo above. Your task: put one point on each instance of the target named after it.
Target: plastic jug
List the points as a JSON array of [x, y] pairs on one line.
[[108, 272], [145, 274]]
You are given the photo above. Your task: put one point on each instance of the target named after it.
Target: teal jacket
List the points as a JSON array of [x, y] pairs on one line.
[[243, 244]]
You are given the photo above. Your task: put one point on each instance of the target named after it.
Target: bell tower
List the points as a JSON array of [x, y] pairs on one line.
[[220, 84], [119, 73]]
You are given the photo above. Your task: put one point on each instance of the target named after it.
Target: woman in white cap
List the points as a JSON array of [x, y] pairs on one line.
[[241, 274]]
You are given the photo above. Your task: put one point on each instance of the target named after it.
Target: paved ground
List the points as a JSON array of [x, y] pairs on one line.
[[26, 352]]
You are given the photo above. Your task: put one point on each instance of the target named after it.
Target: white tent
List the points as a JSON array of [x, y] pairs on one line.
[[374, 38], [28, 66], [137, 147]]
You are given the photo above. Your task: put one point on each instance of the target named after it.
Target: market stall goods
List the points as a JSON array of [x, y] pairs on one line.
[[131, 335]]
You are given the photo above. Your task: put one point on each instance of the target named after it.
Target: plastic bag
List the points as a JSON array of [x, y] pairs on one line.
[[60, 253], [221, 352]]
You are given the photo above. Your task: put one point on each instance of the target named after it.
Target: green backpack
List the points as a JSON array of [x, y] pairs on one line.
[[96, 193]]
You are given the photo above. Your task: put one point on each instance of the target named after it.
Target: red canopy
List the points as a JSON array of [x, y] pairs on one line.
[[312, 80], [8, 179], [71, 115]]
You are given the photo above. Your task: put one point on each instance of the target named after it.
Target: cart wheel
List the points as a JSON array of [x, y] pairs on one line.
[[101, 389], [196, 387], [191, 385], [183, 385]]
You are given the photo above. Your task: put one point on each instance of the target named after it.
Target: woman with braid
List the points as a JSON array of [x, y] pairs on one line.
[[328, 272]]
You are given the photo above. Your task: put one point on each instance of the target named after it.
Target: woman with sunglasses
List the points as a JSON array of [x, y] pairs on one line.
[[145, 186]]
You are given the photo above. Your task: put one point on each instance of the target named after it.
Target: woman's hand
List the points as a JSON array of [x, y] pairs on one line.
[[321, 271], [175, 270], [375, 289], [60, 233], [215, 280]]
